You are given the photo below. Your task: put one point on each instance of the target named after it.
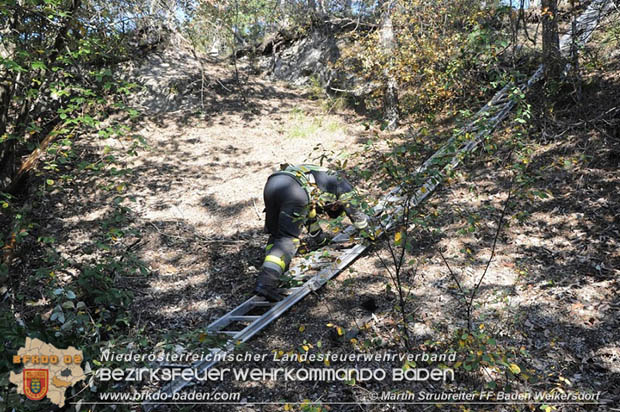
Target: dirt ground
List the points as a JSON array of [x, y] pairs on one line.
[[551, 289]]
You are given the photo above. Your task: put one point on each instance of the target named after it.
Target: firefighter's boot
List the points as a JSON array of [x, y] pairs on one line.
[[267, 284]]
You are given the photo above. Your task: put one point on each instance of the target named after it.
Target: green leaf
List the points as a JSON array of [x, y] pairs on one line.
[[38, 65], [13, 66]]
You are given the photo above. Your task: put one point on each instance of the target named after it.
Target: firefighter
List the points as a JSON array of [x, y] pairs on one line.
[[294, 196]]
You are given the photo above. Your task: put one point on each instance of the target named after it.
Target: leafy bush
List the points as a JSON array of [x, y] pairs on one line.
[[442, 50]]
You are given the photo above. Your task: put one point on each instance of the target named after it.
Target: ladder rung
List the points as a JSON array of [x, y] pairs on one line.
[[239, 311], [261, 303], [229, 332], [243, 318]]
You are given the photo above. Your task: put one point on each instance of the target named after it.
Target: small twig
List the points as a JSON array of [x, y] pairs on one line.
[[396, 275], [222, 84], [499, 228], [452, 274], [256, 209], [134, 244]]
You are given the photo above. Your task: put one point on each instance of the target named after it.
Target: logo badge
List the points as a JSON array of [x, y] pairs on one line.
[[36, 383]]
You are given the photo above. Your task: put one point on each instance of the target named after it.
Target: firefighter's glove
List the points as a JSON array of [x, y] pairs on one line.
[[361, 221], [364, 224]]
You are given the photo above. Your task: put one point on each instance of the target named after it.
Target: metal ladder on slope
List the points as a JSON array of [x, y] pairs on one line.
[[256, 313]]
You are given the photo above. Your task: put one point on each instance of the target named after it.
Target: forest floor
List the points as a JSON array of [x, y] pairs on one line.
[[550, 296]]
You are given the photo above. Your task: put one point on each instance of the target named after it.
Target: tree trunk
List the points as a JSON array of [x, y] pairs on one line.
[[552, 59], [31, 161], [347, 7], [17, 122], [322, 7], [5, 99], [7, 91], [387, 43]]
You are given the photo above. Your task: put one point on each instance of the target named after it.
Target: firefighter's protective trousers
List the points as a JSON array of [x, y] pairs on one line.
[[289, 208]]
